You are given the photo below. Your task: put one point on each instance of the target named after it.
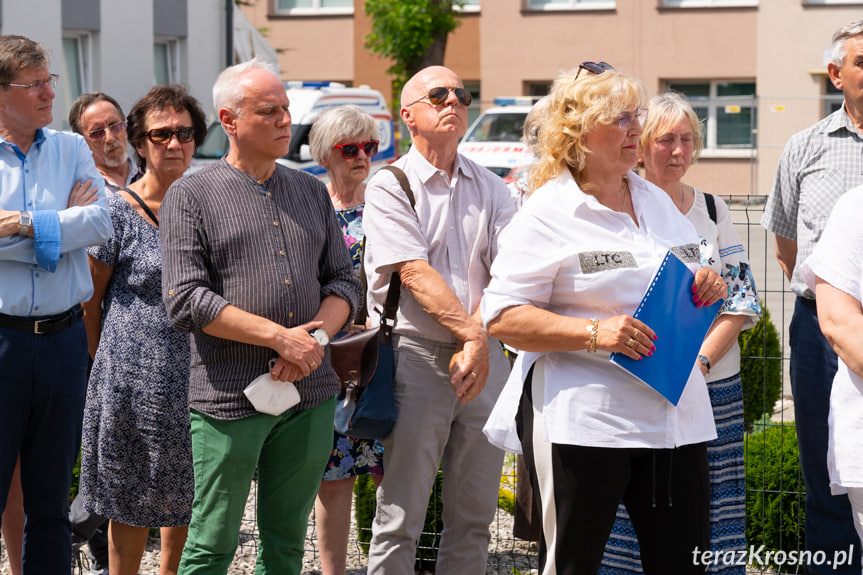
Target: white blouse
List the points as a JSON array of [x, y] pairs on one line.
[[838, 260], [566, 253]]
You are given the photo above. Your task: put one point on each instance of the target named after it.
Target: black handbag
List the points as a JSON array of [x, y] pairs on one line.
[[364, 360]]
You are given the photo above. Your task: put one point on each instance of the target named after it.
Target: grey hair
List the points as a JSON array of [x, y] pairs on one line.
[[337, 124], [852, 29], [19, 53], [663, 112], [532, 122], [227, 91]]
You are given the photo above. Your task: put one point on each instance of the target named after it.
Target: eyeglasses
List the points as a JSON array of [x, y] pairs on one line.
[[116, 128], [164, 135], [439, 95], [35, 87], [593, 67], [625, 119], [351, 151]]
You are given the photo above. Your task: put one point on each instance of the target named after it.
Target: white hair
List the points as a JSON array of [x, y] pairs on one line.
[[227, 91], [336, 124], [852, 29]]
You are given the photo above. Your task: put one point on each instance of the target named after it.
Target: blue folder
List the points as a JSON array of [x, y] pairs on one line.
[[680, 326]]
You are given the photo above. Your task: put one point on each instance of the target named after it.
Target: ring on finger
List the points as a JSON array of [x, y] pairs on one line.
[[635, 333], [630, 342], [312, 365], [473, 373]]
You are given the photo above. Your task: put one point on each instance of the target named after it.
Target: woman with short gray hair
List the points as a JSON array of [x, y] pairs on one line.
[[343, 140]]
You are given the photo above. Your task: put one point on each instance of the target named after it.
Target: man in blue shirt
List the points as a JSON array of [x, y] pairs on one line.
[[52, 206]]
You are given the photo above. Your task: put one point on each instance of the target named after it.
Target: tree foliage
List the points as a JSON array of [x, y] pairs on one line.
[[412, 33]]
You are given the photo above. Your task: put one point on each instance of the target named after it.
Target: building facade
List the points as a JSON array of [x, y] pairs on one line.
[[124, 47], [755, 70]]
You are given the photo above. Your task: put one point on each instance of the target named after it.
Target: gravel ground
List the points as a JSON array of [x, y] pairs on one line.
[[504, 551]]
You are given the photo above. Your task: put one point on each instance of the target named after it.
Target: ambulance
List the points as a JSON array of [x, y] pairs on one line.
[[494, 139], [307, 101]]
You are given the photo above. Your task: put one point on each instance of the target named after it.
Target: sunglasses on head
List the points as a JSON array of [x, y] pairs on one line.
[[116, 128], [351, 151], [439, 95], [164, 135], [594, 67]]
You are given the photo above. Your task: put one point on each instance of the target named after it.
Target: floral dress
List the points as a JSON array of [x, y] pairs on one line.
[[352, 456], [136, 463]]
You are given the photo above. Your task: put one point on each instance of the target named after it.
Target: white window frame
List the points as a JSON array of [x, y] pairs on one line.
[[172, 55], [468, 8], [315, 10], [713, 102], [708, 3], [84, 54], [570, 5]]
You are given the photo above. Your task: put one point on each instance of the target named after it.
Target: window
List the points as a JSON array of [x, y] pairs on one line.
[[315, 6], [833, 98], [570, 4], [707, 3], [75, 76], [467, 6], [166, 62], [728, 111]]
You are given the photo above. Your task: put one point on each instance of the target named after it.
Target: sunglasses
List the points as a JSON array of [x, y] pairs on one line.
[[439, 95], [351, 151], [116, 128], [164, 135], [593, 67], [625, 119]]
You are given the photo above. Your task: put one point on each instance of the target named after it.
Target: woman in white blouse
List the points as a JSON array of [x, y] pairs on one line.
[[571, 270], [671, 141], [834, 272]]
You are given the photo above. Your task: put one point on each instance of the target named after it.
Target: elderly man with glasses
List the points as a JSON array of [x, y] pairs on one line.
[[449, 372], [52, 206], [99, 118]]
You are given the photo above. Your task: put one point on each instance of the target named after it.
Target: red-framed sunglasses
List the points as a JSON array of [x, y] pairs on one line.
[[351, 151]]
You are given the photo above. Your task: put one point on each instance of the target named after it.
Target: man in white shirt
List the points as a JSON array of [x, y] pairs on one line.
[[448, 372], [99, 118]]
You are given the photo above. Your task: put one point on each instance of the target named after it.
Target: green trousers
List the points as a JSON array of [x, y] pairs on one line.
[[290, 452]]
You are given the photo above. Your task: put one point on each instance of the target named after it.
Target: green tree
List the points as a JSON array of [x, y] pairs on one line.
[[412, 33]]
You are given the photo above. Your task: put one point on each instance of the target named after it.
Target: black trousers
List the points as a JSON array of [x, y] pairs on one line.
[[666, 492]]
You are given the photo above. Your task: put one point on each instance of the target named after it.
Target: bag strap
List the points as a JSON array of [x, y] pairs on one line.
[[142, 204], [711, 206], [391, 304]]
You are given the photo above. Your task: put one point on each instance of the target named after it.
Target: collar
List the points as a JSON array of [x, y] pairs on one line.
[[571, 197], [38, 139], [839, 120], [426, 170]]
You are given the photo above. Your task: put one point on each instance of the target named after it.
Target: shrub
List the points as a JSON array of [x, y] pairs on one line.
[[429, 541], [775, 511], [760, 369]]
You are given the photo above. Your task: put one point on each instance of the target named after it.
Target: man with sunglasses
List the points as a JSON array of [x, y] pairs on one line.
[[449, 372], [99, 118], [49, 214]]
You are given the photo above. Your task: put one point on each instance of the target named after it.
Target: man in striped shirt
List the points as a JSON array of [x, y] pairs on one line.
[[255, 267]]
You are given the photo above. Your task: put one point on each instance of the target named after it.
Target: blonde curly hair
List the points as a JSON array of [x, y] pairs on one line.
[[576, 104]]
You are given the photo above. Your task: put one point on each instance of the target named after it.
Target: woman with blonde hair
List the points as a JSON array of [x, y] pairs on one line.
[[670, 143], [571, 270]]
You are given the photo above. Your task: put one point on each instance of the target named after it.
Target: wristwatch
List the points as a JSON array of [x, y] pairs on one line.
[[320, 336], [704, 361], [24, 223]]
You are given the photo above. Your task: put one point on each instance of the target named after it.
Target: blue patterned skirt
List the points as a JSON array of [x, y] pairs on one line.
[[727, 490]]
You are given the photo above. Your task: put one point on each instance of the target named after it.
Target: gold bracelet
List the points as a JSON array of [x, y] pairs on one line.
[[593, 328]]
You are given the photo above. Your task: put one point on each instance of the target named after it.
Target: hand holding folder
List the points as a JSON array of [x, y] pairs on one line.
[[680, 327]]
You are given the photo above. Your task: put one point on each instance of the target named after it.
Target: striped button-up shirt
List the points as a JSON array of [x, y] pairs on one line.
[[818, 165], [269, 248]]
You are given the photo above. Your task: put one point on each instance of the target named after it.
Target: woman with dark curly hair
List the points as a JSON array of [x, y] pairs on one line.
[[136, 465]]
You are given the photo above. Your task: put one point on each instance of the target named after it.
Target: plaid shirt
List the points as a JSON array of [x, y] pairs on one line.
[[818, 165]]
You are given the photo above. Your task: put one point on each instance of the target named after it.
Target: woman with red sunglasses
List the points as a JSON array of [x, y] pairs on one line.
[[343, 140]]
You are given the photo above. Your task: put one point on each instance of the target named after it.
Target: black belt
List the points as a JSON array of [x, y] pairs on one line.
[[42, 325]]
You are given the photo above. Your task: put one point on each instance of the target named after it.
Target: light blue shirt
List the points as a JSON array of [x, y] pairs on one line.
[[49, 273]]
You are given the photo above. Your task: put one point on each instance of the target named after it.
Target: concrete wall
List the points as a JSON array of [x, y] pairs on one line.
[[122, 47]]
